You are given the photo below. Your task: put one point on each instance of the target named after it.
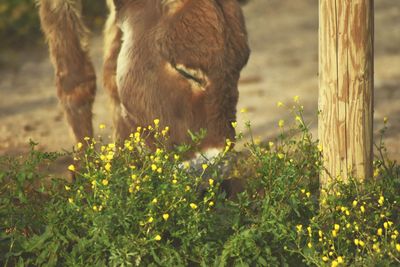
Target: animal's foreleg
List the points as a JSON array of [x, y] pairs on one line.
[[75, 76], [112, 47]]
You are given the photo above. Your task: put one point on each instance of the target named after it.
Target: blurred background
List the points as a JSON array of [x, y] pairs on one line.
[[284, 63]]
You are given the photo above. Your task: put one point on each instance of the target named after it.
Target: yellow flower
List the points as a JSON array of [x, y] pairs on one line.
[[111, 146], [334, 263], [71, 167], [211, 203], [296, 99], [339, 259], [150, 220], [159, 170], [279, 104], [385, 120], [159, 151], [71, 200], [309, 245], [187, 188], [234, 124], [165, 216], [355, 203], [376, 247], [309, 230], [153, 167], [281, 156], [362, 208], [104, 182], [334, 233], [299, 227], [157, 238], [298, 118], [361, 243], [325, 258], [271, 144], [95, 208], [356, 242], [381, 200], [107, 167], [243, 110], [320, 233], [281, 123], [336, 227], [110, 155], [156, 122], [320, 148], [379, 232], [211, 182], [79, 145], [174, 181], [308, 194], [130, 189], [133, 176], [67, 188], [102, 126], [193, 206], [204, 166], [398, 247], [385, 225], [186, 165]]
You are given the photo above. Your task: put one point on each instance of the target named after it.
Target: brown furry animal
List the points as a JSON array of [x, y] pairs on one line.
[[175, 60]]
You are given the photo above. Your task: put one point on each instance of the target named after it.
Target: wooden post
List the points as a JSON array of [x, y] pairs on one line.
[[346, 66]]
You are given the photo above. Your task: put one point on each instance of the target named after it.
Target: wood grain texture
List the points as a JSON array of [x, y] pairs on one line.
[[346, 37]]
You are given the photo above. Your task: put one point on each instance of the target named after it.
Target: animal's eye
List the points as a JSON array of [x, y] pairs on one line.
[[193, 75], [188, 75]]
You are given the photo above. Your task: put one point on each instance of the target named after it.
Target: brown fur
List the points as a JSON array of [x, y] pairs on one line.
[[75, 77], [178, 61]]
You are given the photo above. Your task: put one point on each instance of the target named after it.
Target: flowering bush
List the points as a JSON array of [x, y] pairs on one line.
[[134, 206]]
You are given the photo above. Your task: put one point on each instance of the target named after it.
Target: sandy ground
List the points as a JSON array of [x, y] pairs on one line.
[[284, 42]]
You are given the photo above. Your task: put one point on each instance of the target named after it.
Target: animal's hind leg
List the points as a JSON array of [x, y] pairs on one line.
[[75, 76], [112, 47]]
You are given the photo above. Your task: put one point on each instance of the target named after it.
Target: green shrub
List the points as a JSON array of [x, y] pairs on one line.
[[132, 206], [19, 20]]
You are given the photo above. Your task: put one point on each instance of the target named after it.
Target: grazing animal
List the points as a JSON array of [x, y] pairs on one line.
[[175, 60]]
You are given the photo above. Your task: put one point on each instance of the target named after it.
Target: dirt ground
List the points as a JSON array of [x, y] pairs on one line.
[[284, 63]]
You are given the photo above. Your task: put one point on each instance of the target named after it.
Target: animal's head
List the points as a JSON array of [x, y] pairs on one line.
[[180, 62]]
